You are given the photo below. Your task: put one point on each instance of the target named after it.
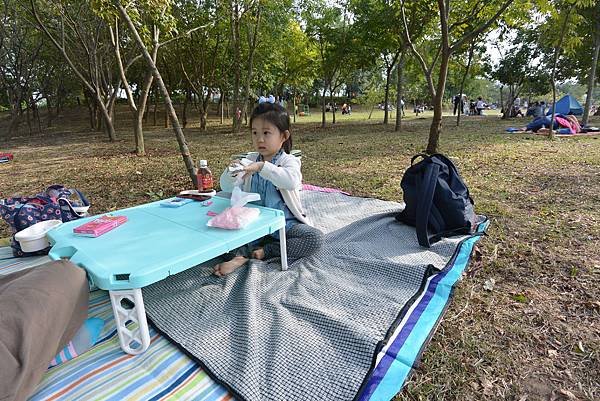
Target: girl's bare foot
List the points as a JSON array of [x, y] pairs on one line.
[[225, 268], [258, 253]]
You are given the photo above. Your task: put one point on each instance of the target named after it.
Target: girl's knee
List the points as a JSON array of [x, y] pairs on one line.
[[314, 240]]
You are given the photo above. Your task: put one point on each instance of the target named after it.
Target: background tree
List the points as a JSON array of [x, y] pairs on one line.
[[591, 16], [327, 26], [463, 26], [293, 63], [82, 39], [20, 55], [562, 15], [519, 68], [163, 12]]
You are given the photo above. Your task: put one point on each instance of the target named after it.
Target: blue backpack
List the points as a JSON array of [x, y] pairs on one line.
[[437, 200], [55, 203]]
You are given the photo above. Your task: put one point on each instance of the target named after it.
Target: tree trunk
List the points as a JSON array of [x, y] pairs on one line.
[[142, 112], [146, 112], [98, 117], [294, 106], [332, 108], [221, 106], [27, 112], [502, 96], [513, 93], [91, 110], [464, 79], [36, 115], [436, 123], [185, 152], [399, 107], [252, 41], [185, 106], [155, 111], [137, 110], [592, 76], [59, 93], [237, 61], [205, 102], [387, 96], [557, 50], [323, 117], [107, 122], [49, 115], [14, 123]]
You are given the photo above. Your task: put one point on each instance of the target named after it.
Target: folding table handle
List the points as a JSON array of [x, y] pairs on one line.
[[74, 256], [62, 252]]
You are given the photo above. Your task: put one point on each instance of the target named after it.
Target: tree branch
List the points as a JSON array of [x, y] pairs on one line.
[[482, 27], [187, 33], [413, 49], [60, 48]]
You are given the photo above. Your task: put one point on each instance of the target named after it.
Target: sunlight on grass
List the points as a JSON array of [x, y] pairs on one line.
[[542, 197]]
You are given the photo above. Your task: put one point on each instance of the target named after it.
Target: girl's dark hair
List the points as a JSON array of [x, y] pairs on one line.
[[276, 115]]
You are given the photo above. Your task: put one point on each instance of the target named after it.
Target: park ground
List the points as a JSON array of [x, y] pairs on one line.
[[524, 323]]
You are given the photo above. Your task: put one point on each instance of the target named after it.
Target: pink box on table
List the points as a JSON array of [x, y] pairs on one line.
[[99, 226]]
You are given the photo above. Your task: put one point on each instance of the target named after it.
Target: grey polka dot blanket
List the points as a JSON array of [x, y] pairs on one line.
[[346, 323]]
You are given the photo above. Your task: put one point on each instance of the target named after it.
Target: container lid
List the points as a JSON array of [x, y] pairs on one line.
[[203, 163]]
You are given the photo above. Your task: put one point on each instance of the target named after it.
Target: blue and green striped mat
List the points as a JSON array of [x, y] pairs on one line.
[[106, 373]]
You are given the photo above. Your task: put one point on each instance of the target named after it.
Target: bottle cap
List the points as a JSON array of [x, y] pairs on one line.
[[203, 163]]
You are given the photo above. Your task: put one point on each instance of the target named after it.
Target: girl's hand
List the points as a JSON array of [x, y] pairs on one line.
[[253, 168], [235, 168]]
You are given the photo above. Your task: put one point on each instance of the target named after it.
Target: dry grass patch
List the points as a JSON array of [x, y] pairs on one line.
[[525, 322]]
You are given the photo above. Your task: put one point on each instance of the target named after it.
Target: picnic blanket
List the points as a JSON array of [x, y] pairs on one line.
[[165, 372], [346, 323], [105, 372]]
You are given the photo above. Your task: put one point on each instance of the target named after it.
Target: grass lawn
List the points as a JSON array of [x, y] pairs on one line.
[[525, 320]]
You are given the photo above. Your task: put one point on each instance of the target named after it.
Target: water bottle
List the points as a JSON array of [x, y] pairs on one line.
[[204, 177]]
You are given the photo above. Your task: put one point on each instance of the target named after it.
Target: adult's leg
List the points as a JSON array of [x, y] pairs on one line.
[[539, 122], [302, 240], [41, 309]]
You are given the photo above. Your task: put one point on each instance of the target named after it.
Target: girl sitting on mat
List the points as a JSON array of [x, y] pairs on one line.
[[276, 176]]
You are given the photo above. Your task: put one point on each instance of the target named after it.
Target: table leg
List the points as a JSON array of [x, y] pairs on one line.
[[283, 245], [129, 305]]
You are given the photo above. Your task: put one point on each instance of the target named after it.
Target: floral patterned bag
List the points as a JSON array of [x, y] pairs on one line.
[[55, 203]]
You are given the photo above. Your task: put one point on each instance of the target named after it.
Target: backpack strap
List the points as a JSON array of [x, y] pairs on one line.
[[425, 199], [423, 155]]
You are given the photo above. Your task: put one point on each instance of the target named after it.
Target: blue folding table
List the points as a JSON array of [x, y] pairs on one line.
[[154, 243]]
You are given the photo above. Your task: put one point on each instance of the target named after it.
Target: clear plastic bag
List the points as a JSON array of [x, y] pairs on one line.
[[234, 218], [237, 216]]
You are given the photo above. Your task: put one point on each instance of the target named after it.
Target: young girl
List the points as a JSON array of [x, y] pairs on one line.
[[276, 176]]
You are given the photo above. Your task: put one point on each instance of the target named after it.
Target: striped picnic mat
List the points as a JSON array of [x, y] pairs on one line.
[[106, 373], [10, 264]]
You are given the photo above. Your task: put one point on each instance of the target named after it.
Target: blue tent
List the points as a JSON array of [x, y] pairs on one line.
[[567, 105]]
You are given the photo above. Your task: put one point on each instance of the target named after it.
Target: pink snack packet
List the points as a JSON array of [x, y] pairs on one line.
[[99, 226]]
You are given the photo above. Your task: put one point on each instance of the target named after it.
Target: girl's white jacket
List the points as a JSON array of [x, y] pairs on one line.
[[285, 175]]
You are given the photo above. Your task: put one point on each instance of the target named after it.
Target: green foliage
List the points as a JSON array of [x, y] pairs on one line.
[[306, 47]]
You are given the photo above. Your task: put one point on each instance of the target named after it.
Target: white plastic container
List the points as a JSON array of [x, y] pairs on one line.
[[33, 238]]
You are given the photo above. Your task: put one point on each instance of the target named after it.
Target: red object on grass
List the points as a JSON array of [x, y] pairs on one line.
[[5, 157]]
